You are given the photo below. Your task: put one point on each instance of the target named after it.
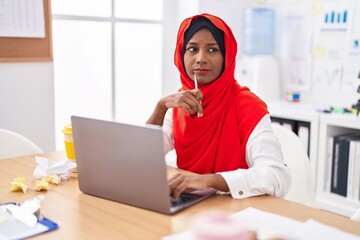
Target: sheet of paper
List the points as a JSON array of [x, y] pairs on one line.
[[20, 18], [333, 50], [326, 76], [296, 48], [316, 230], [269, 225], [12, 228], [265, 224]]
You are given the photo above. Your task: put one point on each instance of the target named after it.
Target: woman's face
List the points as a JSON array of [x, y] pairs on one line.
[[203, 57]]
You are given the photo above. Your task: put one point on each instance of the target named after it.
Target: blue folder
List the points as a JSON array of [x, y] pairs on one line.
[[12, 228]]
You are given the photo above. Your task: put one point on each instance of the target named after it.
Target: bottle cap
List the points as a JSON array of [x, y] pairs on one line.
[[68, 129]]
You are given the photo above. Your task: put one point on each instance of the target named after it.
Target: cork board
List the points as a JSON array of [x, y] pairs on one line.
[[14, 49]]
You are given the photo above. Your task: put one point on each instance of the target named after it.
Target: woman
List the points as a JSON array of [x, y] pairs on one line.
[[221, 130]]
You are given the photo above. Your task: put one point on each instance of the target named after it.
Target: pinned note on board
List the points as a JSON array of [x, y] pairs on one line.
[[319, 52], [316, 7]]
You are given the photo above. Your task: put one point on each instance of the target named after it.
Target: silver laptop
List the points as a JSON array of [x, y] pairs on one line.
[[126, 163]]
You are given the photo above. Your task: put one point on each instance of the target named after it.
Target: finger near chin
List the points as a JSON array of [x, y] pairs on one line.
[[191, 110], [187, 108]]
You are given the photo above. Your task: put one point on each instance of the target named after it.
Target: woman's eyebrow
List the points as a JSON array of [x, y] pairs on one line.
[[209, 44]]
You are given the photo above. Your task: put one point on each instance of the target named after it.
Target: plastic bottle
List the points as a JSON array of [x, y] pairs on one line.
[[69, 143]]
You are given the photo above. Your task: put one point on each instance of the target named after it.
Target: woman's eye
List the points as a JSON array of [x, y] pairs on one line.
[[213, 50], [191, 49]]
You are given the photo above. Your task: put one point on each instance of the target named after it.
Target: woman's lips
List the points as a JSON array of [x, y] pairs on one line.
[[201, 71]]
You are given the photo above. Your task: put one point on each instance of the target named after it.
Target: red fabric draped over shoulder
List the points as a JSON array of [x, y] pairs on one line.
[[215, 142]]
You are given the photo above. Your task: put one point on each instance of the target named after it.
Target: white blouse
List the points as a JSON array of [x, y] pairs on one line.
[[267, 173]]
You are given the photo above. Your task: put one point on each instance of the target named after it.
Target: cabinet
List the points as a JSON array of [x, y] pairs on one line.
[[322, 126], [331, 125]]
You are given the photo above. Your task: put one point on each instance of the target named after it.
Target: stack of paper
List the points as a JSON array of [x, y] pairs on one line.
[[269, 225]]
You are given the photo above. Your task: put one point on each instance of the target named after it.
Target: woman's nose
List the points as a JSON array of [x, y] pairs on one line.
[[201, 57]]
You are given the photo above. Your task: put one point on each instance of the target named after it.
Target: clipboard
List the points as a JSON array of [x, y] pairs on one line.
[[12, 228]]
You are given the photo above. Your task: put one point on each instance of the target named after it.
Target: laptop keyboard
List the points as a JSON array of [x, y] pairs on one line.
[[183, 198]]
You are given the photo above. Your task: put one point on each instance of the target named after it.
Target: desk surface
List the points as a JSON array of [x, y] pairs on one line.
[[82, 216]]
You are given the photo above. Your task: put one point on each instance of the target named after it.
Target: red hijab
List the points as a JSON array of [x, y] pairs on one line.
[[215, 142]]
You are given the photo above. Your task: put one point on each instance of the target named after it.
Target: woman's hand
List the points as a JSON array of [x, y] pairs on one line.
[[190, 100], [183, 182]]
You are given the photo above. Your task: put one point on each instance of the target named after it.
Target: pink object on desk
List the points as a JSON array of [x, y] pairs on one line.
[[217, 226]]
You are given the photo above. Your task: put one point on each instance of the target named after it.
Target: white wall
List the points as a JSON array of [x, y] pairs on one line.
[[27, 101], [175, 12]]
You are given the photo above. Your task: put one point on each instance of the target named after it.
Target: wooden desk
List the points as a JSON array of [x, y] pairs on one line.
[[82, 216]]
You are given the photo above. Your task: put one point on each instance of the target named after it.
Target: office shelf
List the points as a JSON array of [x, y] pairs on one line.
[[332, 125], [322, 126]]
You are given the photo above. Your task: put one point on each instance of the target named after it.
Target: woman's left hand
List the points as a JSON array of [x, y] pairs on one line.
[[186, 183], [183, 182]]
